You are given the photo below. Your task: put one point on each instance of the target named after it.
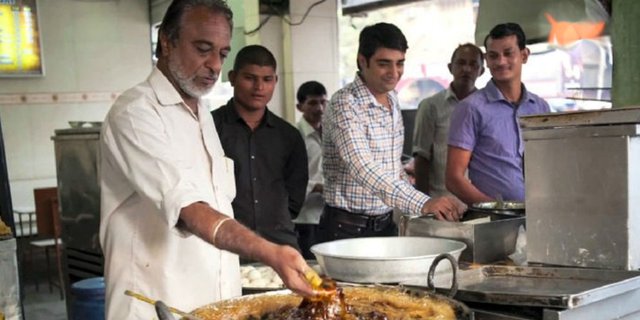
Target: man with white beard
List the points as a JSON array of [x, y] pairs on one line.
[[167, 227]]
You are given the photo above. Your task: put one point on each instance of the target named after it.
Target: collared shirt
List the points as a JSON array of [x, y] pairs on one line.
[[157, 157], [313, 203], [271, 172], [431, 134], [362, 149], [487, 125]]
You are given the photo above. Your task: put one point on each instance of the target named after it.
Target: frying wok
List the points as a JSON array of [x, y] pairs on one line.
[[257, 305]]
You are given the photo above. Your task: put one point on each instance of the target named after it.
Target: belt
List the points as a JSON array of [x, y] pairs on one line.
[[375, 223]]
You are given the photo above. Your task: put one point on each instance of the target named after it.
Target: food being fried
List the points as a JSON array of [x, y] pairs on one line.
[[348, 303], [4, 229]]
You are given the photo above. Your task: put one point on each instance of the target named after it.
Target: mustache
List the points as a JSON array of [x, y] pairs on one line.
[[212, 75]]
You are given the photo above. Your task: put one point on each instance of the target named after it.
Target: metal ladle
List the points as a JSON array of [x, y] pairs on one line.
[[163, 311]]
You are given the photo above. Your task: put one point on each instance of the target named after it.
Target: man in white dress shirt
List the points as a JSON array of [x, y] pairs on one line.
[[312, 99], [431, 130], [166, 219]]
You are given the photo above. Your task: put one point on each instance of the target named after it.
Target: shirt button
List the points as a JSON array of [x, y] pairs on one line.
[[255, 179], [255, 201], [253, 157]]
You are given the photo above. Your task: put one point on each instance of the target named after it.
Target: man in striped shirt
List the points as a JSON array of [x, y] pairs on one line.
[[362, 145]]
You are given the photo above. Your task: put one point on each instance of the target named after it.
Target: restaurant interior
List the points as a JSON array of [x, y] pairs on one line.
[[583, 187]]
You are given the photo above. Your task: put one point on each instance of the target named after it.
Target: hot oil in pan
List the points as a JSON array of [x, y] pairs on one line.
[[359, 304]]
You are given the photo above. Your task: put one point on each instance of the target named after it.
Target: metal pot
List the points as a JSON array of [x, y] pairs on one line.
[[383, 259], [258, 304]]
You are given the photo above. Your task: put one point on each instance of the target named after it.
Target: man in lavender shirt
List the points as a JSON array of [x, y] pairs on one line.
[[487, 140]]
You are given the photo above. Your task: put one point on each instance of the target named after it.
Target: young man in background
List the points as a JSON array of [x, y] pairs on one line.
[[269, 154], [312, 99]]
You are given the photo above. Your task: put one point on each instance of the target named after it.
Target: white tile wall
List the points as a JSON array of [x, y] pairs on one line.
[[92, 52]]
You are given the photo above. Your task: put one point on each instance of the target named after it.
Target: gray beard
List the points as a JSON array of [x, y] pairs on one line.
[[186, 83]]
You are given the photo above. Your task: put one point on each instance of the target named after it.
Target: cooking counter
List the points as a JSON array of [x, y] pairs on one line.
[[542, 292]]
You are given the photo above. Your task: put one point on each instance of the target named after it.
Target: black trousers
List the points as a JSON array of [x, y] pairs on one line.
[[307, 237], [338, 224]]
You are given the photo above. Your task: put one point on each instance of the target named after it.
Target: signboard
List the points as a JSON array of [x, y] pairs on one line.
[[20, 50]]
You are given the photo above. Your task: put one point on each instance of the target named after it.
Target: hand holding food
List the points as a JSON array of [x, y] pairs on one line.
[[290, 266]]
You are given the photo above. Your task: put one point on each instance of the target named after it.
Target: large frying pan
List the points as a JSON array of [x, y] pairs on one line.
[[258, 304]]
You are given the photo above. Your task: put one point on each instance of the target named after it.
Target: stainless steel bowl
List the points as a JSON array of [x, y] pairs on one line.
[[499, 205], [76, 124], [383, 259], [507, 208]]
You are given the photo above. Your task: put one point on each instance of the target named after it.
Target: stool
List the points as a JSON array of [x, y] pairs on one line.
[[88, 303]]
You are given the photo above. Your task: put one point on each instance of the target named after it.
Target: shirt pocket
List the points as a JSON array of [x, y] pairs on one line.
[[379, 132], [501, 137], [223, 177]]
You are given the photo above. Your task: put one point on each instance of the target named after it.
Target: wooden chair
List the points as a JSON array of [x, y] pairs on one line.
[[49, 232]]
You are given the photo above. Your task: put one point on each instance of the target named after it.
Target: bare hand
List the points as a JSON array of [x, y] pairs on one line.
[[290, 266], [445, 208]]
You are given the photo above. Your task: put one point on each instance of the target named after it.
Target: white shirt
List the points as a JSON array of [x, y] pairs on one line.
[[431, 134], [313, 203], [156, 158]]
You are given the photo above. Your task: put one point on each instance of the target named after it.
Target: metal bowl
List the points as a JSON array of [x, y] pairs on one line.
[[76, 124], [383, 259], [511, 208]]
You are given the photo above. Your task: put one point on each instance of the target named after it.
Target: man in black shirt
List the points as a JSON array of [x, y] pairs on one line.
[[269, 154]]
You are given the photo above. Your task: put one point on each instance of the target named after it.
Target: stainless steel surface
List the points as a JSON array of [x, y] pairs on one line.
[[620, 307], [77, 155], [383, 259], [624, 306], [10, 297], [582, 118], [483, 314], [499, 206], [583, 195], [565, 288], [75, 131], [486, 242]]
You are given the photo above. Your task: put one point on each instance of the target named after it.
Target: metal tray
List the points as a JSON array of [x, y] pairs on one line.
[[581, 118], [246, 290], [487, 242], [540, 286], [504, 208]]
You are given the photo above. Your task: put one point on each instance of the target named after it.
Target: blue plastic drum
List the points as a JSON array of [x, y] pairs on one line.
[[89, 299]]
